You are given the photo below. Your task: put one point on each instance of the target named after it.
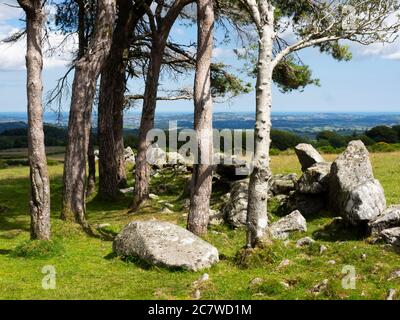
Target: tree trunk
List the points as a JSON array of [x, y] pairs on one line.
[[111, 103], [119, 136], [257, 217], [91, 183], [202, 172], [87, 70], [39, 203], [142, 170]]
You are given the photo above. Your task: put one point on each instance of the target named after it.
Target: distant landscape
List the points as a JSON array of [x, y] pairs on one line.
[[304, 124]]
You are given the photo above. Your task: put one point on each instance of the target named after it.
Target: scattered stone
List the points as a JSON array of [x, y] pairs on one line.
[[281, 184], [165, 244], [255, 282], [391, 236], [394, 275], [216, 217], [126, 190], [205, 277], [322, 249], [285, 284], [153, 196], [315, 179], [307, 155], [363, 256], [292, 222], [284, 263], [129, 156], [175, 158], [320, 287], [388, 219], [353, 191], [304, 242], [102, 225], [331, 262], [235, 210], [156, 156], [166, 211], [391, 294], [196, 294], [168, 205]]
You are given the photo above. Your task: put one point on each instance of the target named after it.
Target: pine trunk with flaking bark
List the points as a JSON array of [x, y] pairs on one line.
[[39, 203], [87, 70], [111, 103], [202, 172], [91, 181], [118, 126], [257, 217], [142, 170]]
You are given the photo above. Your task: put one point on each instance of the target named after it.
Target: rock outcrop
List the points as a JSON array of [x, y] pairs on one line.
[[315, 179], [388, 219], [235, 210], [307, 155], [353, 191], [290, 223]]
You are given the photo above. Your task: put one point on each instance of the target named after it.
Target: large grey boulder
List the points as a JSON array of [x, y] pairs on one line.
[[391, 236], [307, 155], [156, 156], [164, 244], [235, 210], [315, 179], [290, 223], [388, 219], [282, 184], [353, 191]]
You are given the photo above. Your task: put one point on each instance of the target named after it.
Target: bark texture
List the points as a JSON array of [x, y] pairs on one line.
[[202, 172], [160, 34], [87, 70], [91, 181], [111, 103], [39, 202], [257, 217]]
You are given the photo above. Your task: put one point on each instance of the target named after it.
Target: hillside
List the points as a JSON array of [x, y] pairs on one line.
[[87, 269]]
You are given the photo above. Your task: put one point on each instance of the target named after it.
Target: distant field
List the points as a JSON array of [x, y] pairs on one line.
[[87, 269]]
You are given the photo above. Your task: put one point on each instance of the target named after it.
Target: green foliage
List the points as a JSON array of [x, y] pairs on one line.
[[225, 84], [18, 138], [384, 147], [335, 140], [289, 76], [383, 134], [337, 51], [283, 140], [38, 249]]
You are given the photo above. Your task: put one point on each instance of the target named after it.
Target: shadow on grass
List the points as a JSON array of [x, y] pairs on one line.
[[5, 252], [340, 230]]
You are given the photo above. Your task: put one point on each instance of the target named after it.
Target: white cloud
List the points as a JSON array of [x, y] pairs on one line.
[[8, 10], [386, 51], [12, 56], [223, 53]]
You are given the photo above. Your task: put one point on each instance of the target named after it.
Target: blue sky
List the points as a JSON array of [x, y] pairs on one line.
[[368, 83]]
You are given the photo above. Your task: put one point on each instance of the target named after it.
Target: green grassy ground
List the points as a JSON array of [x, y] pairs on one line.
[[87, 269]]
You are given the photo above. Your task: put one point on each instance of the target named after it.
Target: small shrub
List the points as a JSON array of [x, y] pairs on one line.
[[38, 249]]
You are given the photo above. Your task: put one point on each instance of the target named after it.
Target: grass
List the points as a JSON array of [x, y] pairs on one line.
[[87, 269]]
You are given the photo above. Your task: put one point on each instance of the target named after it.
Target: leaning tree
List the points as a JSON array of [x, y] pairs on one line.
[[87, 70], [39, 203], [312, 23]]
